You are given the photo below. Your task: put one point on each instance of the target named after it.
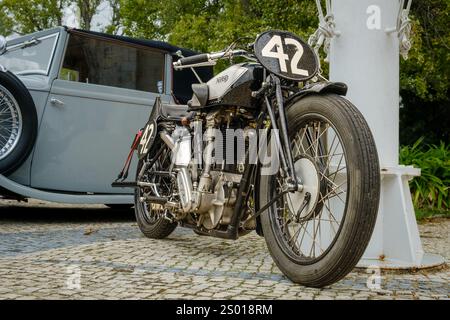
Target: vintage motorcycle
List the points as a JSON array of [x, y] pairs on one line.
[[310, 183]]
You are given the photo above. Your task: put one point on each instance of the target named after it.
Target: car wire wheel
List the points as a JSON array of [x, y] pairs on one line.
[[18, 123], [11, 123]]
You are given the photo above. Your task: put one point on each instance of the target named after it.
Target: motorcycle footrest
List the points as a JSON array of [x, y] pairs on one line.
[[162, 173], [155, 200]]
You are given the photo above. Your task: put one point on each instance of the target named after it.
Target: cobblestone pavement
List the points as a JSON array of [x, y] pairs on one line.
[[50, 251]]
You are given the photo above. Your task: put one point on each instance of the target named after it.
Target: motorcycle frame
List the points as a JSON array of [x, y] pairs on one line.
[[272, 90]]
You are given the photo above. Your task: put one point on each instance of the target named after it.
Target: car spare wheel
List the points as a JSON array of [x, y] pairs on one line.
[[18, 123]]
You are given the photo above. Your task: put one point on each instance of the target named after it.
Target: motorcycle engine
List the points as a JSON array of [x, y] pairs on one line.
[[208, 160], [215, 179]]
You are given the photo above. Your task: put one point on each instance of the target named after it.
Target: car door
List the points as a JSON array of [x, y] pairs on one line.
[[102, 96]]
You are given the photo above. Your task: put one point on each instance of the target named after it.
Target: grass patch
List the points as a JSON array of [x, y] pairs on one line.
[[431, 190], [423, 214]]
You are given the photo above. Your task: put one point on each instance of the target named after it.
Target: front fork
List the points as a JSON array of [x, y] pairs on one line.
[[292, 182]]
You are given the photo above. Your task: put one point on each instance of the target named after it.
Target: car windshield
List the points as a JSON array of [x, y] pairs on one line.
[[30, 57]]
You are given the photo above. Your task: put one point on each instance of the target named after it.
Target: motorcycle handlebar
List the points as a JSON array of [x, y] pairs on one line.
[[198, 58], [207, 57]]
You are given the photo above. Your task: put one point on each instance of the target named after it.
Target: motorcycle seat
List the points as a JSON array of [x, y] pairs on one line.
[[176, 111], [200, 96]]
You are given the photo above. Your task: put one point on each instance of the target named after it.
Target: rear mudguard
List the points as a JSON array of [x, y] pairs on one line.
[[149, 131], [339, 88], [168, 113], [142, 142]]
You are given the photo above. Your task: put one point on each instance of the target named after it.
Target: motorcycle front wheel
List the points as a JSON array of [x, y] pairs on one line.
[[317, 235]]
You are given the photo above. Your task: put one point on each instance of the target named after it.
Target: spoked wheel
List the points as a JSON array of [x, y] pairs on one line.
[[10, 121], [18, 123], [153, 220], [317, 235]]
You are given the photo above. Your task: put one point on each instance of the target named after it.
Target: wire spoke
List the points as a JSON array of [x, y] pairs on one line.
[[10, 123], [313, 234]]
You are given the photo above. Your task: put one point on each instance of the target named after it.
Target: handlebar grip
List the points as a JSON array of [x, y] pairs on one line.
[[199, 58]]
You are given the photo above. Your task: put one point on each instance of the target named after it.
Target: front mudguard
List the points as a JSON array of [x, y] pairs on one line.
[[339, 88]]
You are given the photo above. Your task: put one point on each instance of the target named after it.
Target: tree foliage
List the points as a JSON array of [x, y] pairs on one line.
[[25, 16], [87, 8], [209, 25], [426, 73], [6, 22], [425, 76]]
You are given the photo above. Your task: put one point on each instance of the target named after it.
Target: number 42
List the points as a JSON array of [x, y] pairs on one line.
[[146, 138], [279, 54]]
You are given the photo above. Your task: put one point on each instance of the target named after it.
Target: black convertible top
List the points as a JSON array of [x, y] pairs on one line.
[[143, 42], [182, 80]]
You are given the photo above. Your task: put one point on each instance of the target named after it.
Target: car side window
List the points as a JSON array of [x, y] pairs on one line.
[[109, 63]]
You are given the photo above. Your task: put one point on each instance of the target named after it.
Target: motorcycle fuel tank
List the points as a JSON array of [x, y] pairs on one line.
[[234, 85]]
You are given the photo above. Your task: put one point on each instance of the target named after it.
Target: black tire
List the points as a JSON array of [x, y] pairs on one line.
[[362, 196], [16, 156], [161, 229], [152, 227]]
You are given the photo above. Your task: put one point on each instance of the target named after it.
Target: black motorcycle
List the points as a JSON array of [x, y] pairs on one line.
[[266, 145]]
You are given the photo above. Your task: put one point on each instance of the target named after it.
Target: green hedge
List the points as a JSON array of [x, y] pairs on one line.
[[430, 191]]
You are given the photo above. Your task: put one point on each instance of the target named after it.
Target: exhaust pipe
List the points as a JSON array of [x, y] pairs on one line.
[[167, 139]]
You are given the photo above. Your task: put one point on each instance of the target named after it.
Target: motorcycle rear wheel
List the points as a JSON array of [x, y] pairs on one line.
[[151, 217], [335, 155]]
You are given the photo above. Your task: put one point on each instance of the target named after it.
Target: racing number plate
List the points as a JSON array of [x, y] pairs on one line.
[[147, 138], [286, 55]]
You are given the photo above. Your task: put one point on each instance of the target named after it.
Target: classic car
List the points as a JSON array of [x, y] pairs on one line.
[[69, 102]]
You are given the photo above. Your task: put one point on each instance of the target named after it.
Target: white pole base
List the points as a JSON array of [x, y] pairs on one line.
[[428, 260], [395, 242]]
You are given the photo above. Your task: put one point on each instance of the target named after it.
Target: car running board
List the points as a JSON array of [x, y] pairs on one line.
[[124, 184]]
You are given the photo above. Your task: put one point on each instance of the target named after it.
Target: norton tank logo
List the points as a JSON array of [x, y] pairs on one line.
[[222, 79]]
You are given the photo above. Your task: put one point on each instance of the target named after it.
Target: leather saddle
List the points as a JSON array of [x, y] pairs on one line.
[[176, 112], [200, 96]]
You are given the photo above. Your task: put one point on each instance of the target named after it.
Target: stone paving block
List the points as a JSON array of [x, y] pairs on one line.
[[36, 258]]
